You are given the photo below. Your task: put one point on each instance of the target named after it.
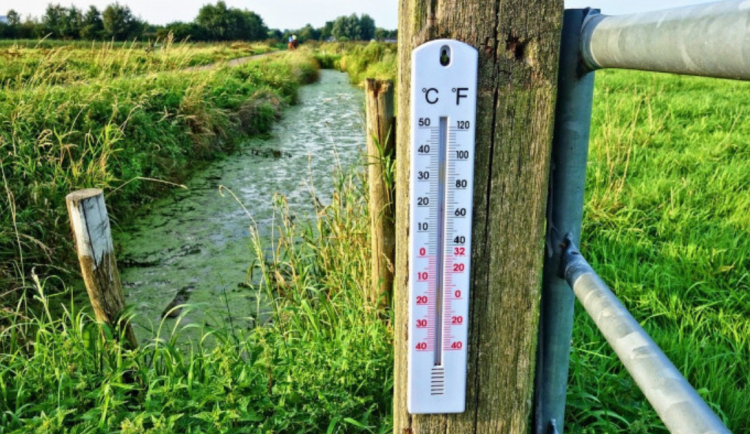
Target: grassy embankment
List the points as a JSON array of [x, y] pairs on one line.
[[114, 130], [51, 62], [666, 225], [359, 60]]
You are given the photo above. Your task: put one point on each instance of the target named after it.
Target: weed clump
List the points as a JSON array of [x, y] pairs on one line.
[[360, 60]]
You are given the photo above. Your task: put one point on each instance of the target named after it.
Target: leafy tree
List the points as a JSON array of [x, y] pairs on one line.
[[381, 34], [252, 26], [54, 19], [72, 23], [148, 31], [215, 19], [214, 22], [308, 33], [10, 29], [366, 28], [275, 34], [119, 23], [226, 24], [350, 27], [14, 18], [92, 26], [183, 31], [346, 28], [326, 31]]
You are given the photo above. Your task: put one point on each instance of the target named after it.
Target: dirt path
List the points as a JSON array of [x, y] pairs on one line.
[[234, 62]]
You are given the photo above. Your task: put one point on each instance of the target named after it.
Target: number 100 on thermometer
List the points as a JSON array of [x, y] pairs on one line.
[[443, 112]]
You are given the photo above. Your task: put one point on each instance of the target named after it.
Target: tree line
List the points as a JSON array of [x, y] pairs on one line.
[[215, 22], [343, 28]]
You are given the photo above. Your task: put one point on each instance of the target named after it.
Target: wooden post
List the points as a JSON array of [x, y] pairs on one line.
[[381, 135], [518, 43], [90, 224]]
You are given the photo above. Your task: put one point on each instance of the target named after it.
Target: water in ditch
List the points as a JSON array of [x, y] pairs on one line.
[[194, 247]]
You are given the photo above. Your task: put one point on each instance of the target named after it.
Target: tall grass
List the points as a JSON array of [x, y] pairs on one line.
[[667, 226], [322, 364], [115, 134], [371, 60], [27, 65]]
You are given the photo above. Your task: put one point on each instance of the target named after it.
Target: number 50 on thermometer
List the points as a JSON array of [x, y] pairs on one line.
[[443, 114]]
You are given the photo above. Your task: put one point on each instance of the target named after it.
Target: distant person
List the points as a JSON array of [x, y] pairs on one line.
[[293, 43]]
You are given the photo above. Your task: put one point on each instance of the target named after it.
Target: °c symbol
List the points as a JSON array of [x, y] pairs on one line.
[[427, 95]]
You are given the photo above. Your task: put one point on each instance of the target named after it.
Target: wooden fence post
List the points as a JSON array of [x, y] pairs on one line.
[[90, 224], [518, 44], [381, 142]]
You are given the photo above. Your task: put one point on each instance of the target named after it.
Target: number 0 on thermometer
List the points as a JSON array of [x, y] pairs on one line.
[[443, 112]]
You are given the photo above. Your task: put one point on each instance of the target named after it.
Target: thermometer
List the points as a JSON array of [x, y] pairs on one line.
[[443, 112]]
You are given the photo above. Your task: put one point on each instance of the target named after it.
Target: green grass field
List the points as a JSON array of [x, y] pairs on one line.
[[666, 225]]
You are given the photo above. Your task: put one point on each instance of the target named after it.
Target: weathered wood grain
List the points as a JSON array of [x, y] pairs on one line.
[[518, 43], [93, 238], [381, 146]]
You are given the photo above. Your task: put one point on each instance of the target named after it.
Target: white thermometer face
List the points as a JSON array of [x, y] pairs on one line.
[[443, 112]]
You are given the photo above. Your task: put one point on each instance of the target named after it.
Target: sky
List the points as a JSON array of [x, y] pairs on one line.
[[293, 14]]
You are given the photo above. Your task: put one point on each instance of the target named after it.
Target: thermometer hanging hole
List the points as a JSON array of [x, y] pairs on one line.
[[445, 55]]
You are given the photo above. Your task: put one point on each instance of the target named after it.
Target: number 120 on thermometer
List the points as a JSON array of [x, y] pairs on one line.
[[443, 113]]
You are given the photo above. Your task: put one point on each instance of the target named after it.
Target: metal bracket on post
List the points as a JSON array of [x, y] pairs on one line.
[[564, 215], [553, 427]]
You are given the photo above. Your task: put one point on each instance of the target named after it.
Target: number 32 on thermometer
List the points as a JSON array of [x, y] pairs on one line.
[[443, 113]]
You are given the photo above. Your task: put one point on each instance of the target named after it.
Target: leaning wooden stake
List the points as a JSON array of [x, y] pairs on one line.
[[90, 224], [518, 43], [381, 143]]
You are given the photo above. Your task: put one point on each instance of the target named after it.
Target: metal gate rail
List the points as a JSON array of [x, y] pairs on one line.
[[710, 40]]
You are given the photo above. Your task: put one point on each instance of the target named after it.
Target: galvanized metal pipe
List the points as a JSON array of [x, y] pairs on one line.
[[676, 402], [710, 40], [570, 147]]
